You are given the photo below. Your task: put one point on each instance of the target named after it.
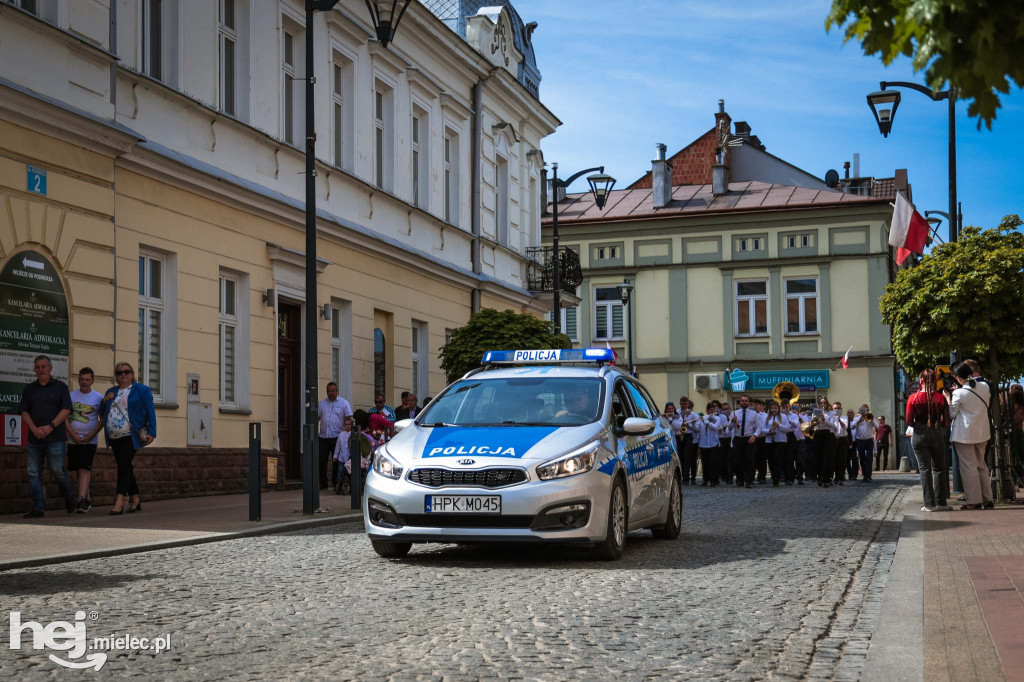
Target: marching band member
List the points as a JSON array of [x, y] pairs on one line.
[[777, 429], [763, 448], [745, 426], [824, 442], [862, 431], [725, 442], [711, 451], [801, 445], [688, 453], [842, 445]]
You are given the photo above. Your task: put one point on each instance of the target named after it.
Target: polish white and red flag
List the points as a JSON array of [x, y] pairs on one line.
[[908, 231], [846, 358], [609, 347]]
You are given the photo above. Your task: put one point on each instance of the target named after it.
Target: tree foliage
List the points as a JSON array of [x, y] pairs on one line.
[[966, 296], [975, 46], [496, 330]]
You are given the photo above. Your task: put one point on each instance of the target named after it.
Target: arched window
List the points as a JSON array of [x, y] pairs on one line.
[[379, 360]]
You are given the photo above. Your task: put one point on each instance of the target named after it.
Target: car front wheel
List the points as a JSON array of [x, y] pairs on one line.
[[615, 538], [391, 550]]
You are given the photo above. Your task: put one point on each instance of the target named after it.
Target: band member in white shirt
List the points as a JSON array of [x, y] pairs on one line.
[[862, 431], [791, 455], [763, 449], [804, 453], [710, 449], [824, 442], [776, 430], [725, 442], [842, 445], [745, 425], [688, 455]]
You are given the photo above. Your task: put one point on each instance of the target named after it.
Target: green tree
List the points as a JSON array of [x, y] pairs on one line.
[[496, 330], [965, 296], [974, 46]]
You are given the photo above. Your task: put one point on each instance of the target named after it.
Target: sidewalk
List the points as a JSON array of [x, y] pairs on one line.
[[59, 536], [953, 605]]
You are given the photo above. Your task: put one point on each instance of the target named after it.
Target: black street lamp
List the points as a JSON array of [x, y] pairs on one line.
[[601, 186], [625, 289], [883, 105], [385, 21]]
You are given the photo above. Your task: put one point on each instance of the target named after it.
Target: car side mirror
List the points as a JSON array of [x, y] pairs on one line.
[[403, 423], [634, 426]]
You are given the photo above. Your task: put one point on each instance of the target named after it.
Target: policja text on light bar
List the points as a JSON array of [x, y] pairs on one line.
[[511, 357]]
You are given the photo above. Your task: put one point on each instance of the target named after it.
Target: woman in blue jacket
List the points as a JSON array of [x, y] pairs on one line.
[[130, 422]]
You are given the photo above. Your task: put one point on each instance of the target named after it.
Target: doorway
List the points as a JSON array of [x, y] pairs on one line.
[[289, 386]]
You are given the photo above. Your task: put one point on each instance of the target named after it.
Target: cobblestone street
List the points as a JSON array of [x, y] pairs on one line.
[[783, 582]]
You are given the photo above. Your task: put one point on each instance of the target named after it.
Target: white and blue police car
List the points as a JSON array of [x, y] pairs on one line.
[[553, 446]]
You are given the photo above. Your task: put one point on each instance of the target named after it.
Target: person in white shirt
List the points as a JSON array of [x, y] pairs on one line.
[[968, 410], [331, 411], [83, 435], [688, 453], [725, 442], [824, 442], [804, 459], [745, 425], [763, 449], [862, 431], [710, 448], [776, 430], [842, 459]]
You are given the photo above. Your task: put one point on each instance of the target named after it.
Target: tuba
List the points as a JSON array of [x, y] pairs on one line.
[[785, 393]]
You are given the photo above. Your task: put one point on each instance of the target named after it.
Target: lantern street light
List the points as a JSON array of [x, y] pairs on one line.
[[625, 289], [883, 105], [385, 15], [601, 186]]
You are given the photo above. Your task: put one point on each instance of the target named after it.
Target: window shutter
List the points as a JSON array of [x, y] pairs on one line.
[[601, 322], [617, 321], [570, 323]]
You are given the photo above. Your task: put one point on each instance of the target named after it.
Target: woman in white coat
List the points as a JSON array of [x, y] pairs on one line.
[[968, 409]]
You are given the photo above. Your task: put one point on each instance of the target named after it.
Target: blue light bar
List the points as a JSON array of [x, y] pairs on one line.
[[547, 357]]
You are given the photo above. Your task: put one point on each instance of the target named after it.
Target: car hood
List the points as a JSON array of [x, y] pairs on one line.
[[489, 445]]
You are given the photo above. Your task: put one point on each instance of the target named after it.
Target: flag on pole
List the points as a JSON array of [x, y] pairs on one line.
[[908, 231], [846, 358], [609, 347]]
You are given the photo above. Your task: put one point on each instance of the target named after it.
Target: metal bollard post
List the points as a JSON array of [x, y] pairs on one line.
[[255, 441], [355, 459]]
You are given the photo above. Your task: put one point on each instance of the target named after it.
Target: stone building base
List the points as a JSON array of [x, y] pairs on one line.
[[162, 473]]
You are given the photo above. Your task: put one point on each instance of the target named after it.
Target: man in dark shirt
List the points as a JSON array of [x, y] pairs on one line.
[[45, 405]]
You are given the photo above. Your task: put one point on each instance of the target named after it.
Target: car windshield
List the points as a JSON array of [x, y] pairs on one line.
[[517, 401]]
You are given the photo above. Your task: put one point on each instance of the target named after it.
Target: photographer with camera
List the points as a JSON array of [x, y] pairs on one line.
[[968, 409]]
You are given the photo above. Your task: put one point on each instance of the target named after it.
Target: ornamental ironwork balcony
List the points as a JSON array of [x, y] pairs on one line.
[[539, 276]]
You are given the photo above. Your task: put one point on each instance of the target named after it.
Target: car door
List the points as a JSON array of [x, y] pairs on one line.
[[626, 445], [643, 458], [665, 449]]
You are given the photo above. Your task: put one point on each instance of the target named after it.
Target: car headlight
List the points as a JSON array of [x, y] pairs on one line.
[[386, 465], [579, 462]]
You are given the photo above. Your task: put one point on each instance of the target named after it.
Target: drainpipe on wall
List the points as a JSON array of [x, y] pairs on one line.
[[475, 146], [113, 50]]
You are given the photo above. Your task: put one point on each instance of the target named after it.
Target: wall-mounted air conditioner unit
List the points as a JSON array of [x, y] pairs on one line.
[[707, 382]]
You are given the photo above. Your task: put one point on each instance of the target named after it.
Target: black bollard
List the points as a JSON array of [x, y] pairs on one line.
[[355, 460], [255, 439]]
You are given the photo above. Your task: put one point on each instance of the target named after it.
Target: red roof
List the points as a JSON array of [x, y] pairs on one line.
[[691, 200]]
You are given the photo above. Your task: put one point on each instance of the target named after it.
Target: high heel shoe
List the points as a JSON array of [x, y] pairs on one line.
[[119, 500], [117, 512], [136, 508]]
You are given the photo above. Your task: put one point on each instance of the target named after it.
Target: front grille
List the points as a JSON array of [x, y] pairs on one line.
[[466, 521], [483, 478]]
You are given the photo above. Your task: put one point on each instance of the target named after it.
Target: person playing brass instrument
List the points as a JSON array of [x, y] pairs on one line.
[[710, 449], [862, 431], [688, 453], [823, 428], [778, 429]]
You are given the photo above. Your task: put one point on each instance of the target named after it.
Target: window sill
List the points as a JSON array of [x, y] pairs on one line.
[[165, 406], [224, 409], [614, 339], [752, 336], [803, 335]]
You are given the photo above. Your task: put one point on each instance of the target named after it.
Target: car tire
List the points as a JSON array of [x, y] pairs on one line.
[[674, 521], [391, 550], [614, 542]]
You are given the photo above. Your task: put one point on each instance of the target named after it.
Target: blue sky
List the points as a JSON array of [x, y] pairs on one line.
[[623, 75]]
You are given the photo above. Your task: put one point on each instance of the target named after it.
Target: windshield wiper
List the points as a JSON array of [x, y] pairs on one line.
[[437, 424], [512, 422]]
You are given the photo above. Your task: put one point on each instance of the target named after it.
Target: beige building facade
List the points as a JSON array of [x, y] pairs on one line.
[[165, 186]]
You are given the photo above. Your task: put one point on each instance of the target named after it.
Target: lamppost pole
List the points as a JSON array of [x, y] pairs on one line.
[[601, 185], [625, 290]]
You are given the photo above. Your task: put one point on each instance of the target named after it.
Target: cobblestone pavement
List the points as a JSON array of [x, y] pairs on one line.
[[771, 582]]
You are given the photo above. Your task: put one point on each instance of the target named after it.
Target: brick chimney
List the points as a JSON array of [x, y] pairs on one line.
[[661, 173]]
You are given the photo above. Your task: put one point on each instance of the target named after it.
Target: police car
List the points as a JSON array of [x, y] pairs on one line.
[[536, 445]]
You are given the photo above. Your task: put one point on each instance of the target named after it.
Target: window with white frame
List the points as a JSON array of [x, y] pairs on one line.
[[749, 244], [383, 136], [420, 157], [451, 176], [608, 318], [420, 355], [341, 345], [570, 325], [800, 241], [229, 291], [227, 32], [151, 321], [501, 198], [802, 306], [342, 103], [752, 308], [602, 253], [293, 65]]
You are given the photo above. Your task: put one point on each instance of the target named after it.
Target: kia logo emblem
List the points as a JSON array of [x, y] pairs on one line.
[[467, 461]]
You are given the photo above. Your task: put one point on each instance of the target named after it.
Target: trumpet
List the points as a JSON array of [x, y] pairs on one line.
[[807, 428], [869, 417]]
